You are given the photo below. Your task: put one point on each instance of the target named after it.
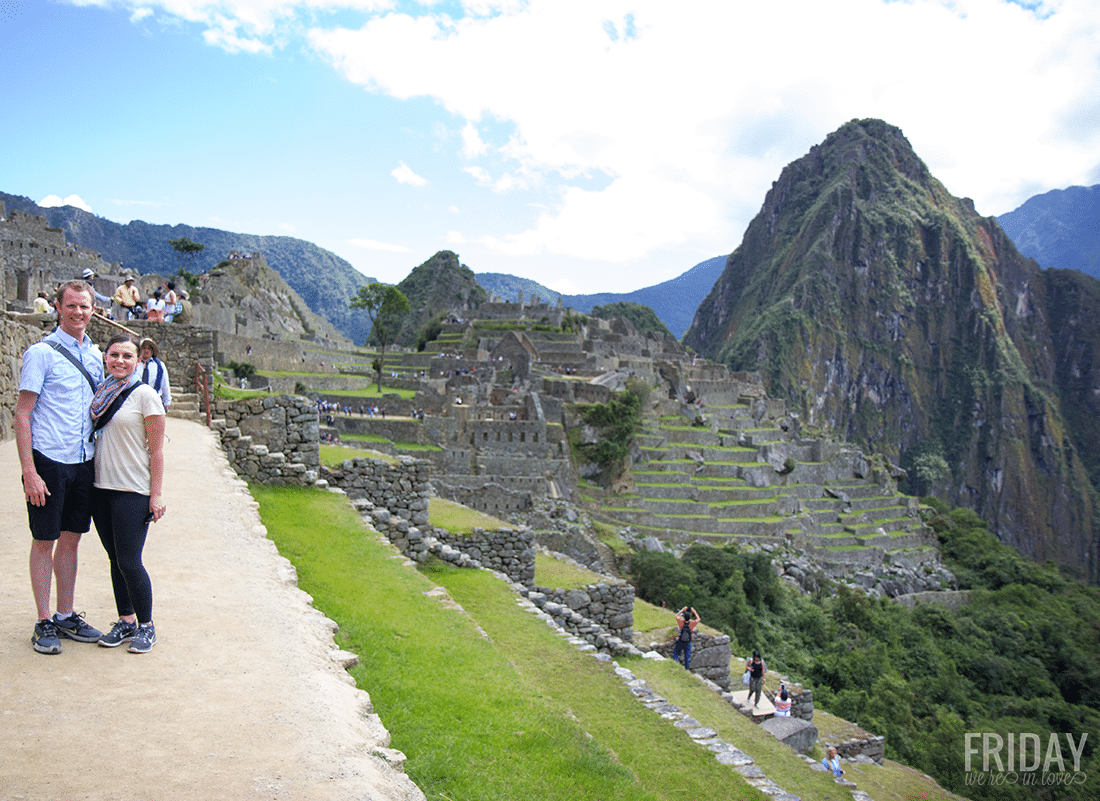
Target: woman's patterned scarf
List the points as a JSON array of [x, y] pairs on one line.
[[108, 391]]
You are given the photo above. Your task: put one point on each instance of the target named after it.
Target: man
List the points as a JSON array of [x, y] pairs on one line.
[[53, 435], [90, 275], [127, 297]]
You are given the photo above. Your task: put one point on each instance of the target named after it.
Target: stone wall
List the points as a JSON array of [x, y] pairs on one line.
[[609, 605], [710, 656], [510, 551], [401, 489], [273, 440], [15, 337], [870, 746]]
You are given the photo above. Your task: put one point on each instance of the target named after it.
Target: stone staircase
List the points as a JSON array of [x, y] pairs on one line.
[[185, 405]]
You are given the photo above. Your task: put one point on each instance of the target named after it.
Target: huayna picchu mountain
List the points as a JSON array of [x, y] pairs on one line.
[[890, 313]]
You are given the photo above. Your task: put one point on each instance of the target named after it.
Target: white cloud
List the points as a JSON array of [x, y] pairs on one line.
[[644, 125], [288, 227], [140, 14], [374, 244], [696, 111], [455, 238], [405, 175], [472, 146], [50, 201]]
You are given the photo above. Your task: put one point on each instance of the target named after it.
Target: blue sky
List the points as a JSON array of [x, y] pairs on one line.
[[602, 145]]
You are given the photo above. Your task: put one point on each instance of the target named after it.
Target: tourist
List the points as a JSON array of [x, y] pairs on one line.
[[154, 373], [154, 307], [757, 671], [687, 620], [184, 313], [41, 304], [126, 298], [129, 474], [783, 703], [60, 376], [832, 762]]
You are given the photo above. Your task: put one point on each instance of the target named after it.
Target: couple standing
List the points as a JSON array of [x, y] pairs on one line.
[[68, 409]]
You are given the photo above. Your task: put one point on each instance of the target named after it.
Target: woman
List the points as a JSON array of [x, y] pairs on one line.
[[831, 762], [758, 669], [154, 308], [153, 371], [129, 473], [783, 703]]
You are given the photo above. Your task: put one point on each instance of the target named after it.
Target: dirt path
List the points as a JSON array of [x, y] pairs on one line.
[[239, 699]]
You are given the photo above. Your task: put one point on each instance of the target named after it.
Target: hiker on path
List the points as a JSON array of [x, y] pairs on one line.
[[687, 620], [53, 435], [129, 473], [758, 669]]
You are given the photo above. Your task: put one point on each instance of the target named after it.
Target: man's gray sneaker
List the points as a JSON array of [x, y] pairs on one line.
[[45, 638], [75, 628], [144, 639], [122, 631]]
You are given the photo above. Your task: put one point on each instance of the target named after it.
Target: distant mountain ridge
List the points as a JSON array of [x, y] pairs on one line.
[[674, 301], [324, 280], [884, 309], [1060, 228]]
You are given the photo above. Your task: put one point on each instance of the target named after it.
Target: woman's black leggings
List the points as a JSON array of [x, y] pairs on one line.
[[120, 521]]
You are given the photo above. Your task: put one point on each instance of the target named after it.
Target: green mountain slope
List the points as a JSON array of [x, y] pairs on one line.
[[439, 285], [887, 311], [324, 280]]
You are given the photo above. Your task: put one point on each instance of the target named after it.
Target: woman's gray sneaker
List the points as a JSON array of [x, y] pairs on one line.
[[122, 631], [45, 638], [144, 639]]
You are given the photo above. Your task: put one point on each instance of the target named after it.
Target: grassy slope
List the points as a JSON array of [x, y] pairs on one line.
[[488, 703]]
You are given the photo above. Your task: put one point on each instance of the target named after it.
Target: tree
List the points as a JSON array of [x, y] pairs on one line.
[[186, 251], [385, 306]]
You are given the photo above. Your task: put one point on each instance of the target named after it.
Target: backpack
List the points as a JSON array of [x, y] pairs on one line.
[[685, 632]]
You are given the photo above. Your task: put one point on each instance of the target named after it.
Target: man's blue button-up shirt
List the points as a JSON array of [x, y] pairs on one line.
[[61, 423]]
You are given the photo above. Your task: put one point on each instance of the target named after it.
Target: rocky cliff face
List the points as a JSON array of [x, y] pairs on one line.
[[887, 311], [244, 296]]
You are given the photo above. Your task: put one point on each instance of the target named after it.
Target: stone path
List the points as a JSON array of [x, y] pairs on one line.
[[244, 695]]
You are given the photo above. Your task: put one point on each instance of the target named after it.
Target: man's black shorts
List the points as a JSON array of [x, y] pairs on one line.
[[68, 506]]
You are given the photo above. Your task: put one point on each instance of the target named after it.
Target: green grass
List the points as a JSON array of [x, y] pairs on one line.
[[460, 519], [516, 714], [551, 572], [334, 455]]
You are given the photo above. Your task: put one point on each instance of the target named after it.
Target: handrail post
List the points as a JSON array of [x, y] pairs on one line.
[[202, 387]]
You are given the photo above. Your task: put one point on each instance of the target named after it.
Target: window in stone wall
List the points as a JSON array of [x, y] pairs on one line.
[[536, 436], [522, 437], [485, 437], [509, 436]]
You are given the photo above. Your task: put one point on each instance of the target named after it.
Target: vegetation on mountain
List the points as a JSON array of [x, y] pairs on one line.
[[642, 317], [441, 285], [386, 307], [186, 252], [507, 288], [323, 279], [1058, 229], [615, 424], [1022, 656], [887, 311]]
